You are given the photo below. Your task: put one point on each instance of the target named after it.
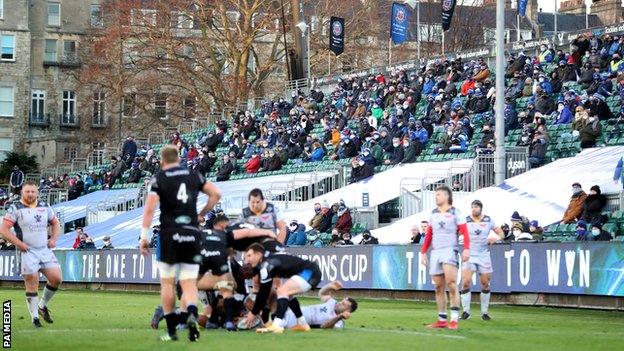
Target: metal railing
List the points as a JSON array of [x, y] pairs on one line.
[[296, 85], [100, 211], [53, 196], [39, 119]]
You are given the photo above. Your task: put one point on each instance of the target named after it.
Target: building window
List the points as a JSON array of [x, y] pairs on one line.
[[143, 17], [69, 107], [128, 103], [54, 14], [70, 153], [37, 105], [8, 47], [6, 145], [190, 106], [181, 20], [6, 102], [96, 16], [99, 109], [160, 105], [49, 54], [1, 9], [69, 51]]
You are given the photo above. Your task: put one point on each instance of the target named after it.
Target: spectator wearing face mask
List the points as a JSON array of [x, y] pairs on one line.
[[317, 219], [344, 223], [575, 207], [536, 231], [594, 204], [519, 234], [225, 170], [598, 234], [385, 141], [590, 132], [253, 165], [411, 150], [108, 244], [537, 150], [397, 154], [581, 231], [368, 239], [360, 170], [296, 234], [564, 116]]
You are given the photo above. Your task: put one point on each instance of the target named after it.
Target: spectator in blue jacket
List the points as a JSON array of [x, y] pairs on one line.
[[564, 116], [317, 152], [618, 175], [129, 148], [419, 133], [296, 235]]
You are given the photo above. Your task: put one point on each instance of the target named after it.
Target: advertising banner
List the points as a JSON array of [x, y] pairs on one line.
[[584, 268], [336, 35], [399, 23]]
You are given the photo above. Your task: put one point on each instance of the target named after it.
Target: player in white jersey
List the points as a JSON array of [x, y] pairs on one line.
[[30, 219], [479, 227], [441, 236], [326, 315]]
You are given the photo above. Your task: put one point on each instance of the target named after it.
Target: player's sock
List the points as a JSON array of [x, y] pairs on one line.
[[466, 296], [172, 322], [295, 307], [182, 317], [191, 310], [203, 297], [228, 307], [266, 314], [214, 316], [48, 293], [282, 307], [485, 301], [442, 316], [454, 314], [33, 304]]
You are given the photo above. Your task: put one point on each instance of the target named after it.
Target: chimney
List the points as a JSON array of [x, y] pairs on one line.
[[492, 3], [609, 11], [572, 7]]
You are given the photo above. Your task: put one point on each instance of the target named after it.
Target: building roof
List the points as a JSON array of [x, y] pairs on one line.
[[566, 22]]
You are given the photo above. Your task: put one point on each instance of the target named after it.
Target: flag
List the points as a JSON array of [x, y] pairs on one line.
[[522, 4], [336, 35], [399, 23], [448, 6]]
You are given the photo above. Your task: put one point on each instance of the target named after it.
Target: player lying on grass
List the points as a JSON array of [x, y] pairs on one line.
[[302, 276], [328, 314]]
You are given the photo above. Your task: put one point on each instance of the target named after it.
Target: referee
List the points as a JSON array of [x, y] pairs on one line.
[[178, 246], [30, 219]]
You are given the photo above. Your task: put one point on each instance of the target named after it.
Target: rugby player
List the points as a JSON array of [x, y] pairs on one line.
[[326, 315], [215, 269], [441, 236], [479, 227], [30, 219], [302, 276], [264, 215], [178, 247]]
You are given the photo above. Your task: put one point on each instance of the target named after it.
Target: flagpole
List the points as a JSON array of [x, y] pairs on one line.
[[443, 42], [418, 28], [555, 38], [518, 28], [390, 51], [329, 62], [499, 112]]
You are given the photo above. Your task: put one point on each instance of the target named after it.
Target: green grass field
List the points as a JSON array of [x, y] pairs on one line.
[[86, 320]]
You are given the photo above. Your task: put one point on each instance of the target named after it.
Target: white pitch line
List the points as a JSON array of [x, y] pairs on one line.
[[44, 330], [408, 332]]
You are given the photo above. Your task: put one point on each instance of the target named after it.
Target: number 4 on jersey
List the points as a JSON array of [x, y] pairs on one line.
[[182, 195]]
